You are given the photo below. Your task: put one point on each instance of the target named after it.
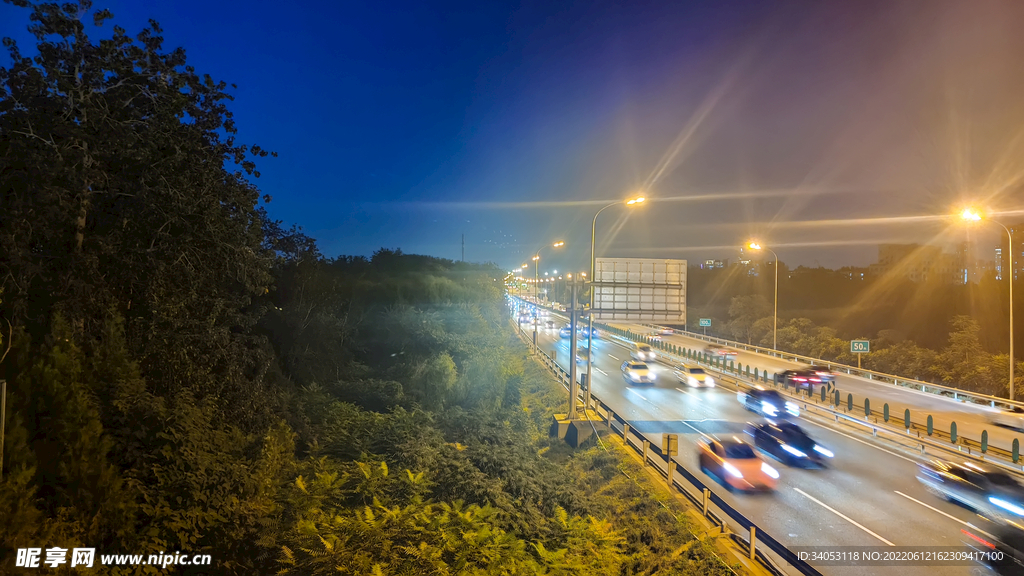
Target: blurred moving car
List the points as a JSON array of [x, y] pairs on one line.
[[720, 351], [666, 331], [986, 490], [565, 332], [549, 323], [693, 376], [789, 444], [1012, 418], [582, 353], [640, 351], [637, 373], [655, 336], [1002, 552], [768, 403], [736, 464], [804, 379]]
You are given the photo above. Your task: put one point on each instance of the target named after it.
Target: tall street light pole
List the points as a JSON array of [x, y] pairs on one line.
[[775, 314], [593, 288], [974, 216]]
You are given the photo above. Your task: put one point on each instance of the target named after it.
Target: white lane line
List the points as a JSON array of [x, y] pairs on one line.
[[637, 393], [598, 369], [843, 516], [950, 516], [691, 394], [613, 357]]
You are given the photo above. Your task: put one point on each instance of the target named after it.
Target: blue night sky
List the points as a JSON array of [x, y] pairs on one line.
[[814, 126]]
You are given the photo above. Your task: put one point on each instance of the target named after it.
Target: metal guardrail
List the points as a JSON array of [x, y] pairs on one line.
[[708, 501], [928, 387]]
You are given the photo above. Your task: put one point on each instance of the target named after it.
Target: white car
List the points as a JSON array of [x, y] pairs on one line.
[[666, 332], [637, 373], [1012, 418]]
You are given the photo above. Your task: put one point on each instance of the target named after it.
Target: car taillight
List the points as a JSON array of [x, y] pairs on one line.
[[979, 539]]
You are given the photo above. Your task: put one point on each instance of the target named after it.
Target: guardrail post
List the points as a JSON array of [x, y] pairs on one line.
[[984, 441], [753, 538], [931, 425], [906, 420], [625, 433], [867, 407], [952, 432], [1016, 450], [835, 399], [707, 494], [823, 392], [671, 472], [611, 416], [766, 375], [647, 448], [885, 412], [849, 402]]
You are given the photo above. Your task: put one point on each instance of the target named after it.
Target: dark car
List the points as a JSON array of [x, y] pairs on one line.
[[804, 379], [769, 403], [581, 354], [984, 489], [1002, 552], [565, 332], [789, 444], [550, 323]]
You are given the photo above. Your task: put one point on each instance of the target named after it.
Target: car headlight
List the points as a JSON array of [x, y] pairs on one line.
[[691, 381], [823, 451], [1006, 505], [709, 380], [732, 470], [768, 408], [792, 409], [652, 375], [633, 375], [769, 470], [793, 451]]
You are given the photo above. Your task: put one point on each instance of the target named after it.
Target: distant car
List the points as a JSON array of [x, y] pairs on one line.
[[584, 331], [788, 443], [655, 336], [693, 376], [1012, 418], [637, 373], [565, 332], [666, 331], [986, 490], [736, 465], [550, 324], [720, 351], [642, 352], [769, 403], [804, 379]]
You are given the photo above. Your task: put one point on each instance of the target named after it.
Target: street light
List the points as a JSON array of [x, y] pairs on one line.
[[969, 215], [536, 263], [775, 314], [593, 291]]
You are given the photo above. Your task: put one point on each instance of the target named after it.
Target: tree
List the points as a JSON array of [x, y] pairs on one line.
[[744, 311]]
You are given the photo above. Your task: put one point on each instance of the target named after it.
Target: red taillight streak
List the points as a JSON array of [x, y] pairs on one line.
[[979, 540]]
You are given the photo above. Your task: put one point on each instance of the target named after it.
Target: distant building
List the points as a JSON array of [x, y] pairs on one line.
[[1002, 264], [919, 263]]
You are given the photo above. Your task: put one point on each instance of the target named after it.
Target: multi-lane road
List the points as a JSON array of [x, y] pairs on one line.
[[970, 418], [869, 496]]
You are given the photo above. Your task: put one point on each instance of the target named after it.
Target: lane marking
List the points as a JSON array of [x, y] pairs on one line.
[[613, 357], [637, 393], [950, 516], [843, 516], [691, 394], [598, 369]]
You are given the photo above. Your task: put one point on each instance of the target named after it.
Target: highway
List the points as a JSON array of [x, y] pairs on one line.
[[868, 497], [970, 418]]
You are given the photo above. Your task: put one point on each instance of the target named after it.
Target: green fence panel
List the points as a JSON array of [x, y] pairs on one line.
[[885, 411], [906, 418], [1016, 450], [952, 432], [867, 408], [849, 402], [931, 425], [984, 441]]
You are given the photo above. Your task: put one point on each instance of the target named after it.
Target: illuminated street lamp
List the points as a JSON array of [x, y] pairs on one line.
[[632, 202], [536, 264], [775, 314], [969, 215]]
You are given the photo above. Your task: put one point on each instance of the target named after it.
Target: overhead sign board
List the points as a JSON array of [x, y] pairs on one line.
[[860, 346], [706, 322]]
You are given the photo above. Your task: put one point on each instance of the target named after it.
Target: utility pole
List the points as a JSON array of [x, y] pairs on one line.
[[573, 391], [3, 423]]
